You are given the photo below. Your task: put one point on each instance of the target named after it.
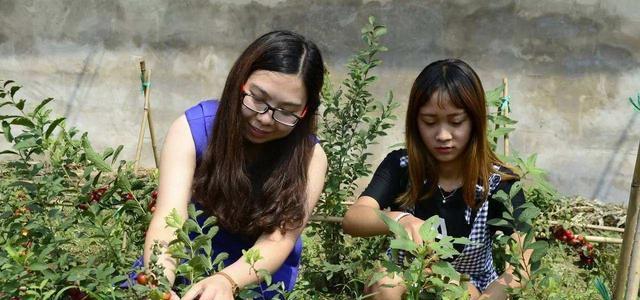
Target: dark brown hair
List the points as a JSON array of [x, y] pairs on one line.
[[254, 197], [453, 79]]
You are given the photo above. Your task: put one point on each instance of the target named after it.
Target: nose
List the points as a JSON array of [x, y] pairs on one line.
[[266, 118], [443, 135]]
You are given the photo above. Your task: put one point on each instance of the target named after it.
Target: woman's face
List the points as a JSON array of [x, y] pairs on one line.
[[445, 129], [282, 91]]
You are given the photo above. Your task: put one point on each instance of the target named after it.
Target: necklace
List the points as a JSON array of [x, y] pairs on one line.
[[445, 198]]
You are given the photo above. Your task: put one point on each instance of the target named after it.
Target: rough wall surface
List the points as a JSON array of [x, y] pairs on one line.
[[571, 65]]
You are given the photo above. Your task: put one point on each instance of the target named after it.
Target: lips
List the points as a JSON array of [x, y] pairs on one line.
[[257, 132], [444, 150]]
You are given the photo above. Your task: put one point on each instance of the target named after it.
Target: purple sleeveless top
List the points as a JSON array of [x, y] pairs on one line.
[[201, 118]]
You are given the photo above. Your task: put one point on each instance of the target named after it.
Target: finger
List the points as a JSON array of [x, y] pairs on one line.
[[209, 294], [416, 236], [192, 293], [174, 296]]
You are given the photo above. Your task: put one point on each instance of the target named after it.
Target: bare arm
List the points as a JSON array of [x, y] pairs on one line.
[[274, 247], [362, 220], [177, 166]]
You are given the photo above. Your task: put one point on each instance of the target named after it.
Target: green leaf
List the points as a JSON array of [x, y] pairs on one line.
[[499, 222], [26, 144], [13, 91], [174, 220], [93, 156], [20, 104], [209, 221], [394, 226], [6, 129], [53, 126], [428, 231], [116, 153], [201, 263], [528, 214], [8, 152], [22, 121], [41, 105], [403, 244], [445, 269]]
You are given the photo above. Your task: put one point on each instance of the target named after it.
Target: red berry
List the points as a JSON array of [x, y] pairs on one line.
[[141, 278], [154, 195], [128, 197], [152, 205], [76, 294], [83, 206], [589, 246]]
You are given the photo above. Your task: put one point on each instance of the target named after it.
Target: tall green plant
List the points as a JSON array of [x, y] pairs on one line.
[[351, 121]]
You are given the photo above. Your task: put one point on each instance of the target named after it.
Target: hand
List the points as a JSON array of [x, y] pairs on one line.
[[174, 296], [412, 225], [210, 288]]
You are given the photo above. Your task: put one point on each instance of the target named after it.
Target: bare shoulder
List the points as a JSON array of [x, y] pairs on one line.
[[179, 140], [319, 156]]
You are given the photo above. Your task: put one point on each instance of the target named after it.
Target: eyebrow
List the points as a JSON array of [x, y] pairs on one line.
[[449, 115], [263, 93]]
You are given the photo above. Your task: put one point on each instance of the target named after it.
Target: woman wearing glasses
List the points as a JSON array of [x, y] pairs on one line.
[[252, 160]]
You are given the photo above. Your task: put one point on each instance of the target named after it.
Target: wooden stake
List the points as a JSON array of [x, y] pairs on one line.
[[602, 239], [505, 112], [597, 227], [633, 281], [624, 271], [146, 117]]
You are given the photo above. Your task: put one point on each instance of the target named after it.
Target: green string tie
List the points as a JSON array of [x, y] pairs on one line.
[[504, 104], [145, 84]]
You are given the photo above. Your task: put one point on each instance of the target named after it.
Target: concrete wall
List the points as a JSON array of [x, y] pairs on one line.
[[571, 65]]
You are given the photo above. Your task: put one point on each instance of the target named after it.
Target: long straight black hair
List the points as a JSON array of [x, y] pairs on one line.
[[222, 183]]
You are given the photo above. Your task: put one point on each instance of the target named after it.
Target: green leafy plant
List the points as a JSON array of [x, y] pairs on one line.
[[515, 248], [71, 216], [351, 121], [426, 274]]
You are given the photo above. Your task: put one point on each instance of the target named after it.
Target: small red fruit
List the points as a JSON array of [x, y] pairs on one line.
[[152, 205], [154, 195], [568, 235], [166, 296], [83, 206], [128, 197], [141, 278]]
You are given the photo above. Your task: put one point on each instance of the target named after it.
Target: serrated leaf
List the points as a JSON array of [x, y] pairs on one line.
[[404, 244], [445, 269], [174, 220]]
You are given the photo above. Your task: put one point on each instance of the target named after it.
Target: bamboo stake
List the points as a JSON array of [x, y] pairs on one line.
[[597, 227], [631, 224], [505, 93], [633, 283], [146, 117], [602, 239]]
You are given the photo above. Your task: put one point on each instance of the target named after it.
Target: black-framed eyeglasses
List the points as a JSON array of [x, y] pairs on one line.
[[281, 116]]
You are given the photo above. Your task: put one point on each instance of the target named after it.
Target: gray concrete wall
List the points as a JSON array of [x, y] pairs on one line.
[[571, 65]]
